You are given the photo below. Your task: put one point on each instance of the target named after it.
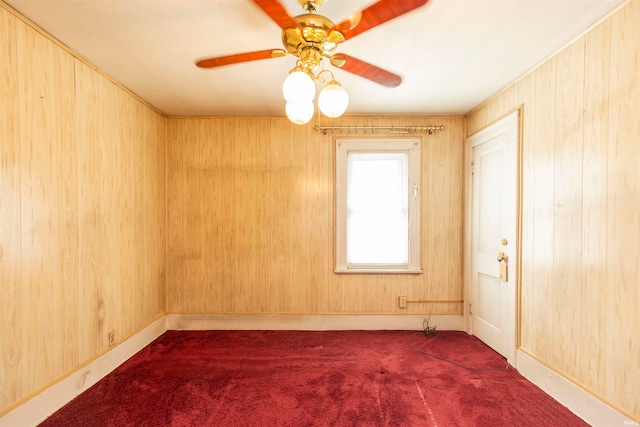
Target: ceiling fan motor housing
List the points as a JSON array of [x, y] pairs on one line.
[[312, 39]]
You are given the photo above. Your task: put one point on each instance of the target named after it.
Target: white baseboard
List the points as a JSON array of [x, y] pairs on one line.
[[41, 406], [302, 322], [577, 400]]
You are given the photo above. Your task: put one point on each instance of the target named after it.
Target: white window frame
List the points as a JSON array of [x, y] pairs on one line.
[[406, 145]]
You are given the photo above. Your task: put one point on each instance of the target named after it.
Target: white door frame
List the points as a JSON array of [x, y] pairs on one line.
[[514, 262]]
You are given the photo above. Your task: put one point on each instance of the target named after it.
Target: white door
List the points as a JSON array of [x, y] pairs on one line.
[[491, 209]]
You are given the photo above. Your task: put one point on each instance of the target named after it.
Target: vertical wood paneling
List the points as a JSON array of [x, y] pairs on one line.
[[543, 202], [227, 209], [319, 218], [137, 299], [455, 238], [567, 208], [176, 171], [154, 220], [581, 204], [91, 227], [436, 213], [267, 220], [623, 214], [83, 207], [49, 200], [298, 251], [243, 220], [280, 215], [594, 208], [108, 188], [185, 243], [261, 282], [126, 203], [12, 332], [212, 189]]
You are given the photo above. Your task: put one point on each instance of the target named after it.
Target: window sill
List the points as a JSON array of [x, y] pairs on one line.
[[376, 271]]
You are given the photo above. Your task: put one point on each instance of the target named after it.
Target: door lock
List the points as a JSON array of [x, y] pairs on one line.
[[504, 266]]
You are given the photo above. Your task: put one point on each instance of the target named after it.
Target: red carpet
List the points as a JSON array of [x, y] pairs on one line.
[[285, 378]]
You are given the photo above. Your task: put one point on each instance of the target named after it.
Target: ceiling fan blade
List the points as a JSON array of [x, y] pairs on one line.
[[240, 57], [277, 13], [366, 70], [376, 14]]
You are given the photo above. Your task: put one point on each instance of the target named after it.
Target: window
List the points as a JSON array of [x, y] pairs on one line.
[[378, 206]]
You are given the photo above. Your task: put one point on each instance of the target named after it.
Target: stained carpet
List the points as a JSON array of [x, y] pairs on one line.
[[294, 378]]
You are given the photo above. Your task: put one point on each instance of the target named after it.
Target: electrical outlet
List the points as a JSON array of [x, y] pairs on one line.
[[112, 338], [402, 302]]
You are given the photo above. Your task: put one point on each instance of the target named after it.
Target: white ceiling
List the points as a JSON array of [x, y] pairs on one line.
[[451, 54]]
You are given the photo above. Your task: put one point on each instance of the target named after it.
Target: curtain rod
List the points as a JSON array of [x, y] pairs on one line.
[[392, 129]]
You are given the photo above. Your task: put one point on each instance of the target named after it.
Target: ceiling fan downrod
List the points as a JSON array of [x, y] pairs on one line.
[[311, 6]]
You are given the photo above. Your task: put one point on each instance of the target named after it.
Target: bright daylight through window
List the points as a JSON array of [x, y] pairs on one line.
[[378, 206]]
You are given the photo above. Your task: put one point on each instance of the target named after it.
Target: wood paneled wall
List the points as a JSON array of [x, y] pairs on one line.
[[82, 211], [580, 293], [251, 213], [251, 220]]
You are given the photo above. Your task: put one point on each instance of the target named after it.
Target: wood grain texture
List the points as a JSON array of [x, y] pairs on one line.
[[274, 237], [49, 202], [13, 298], [567, 209], [623, 213], [594, 207], [90, 200], [84, 254], [581, 204], [154, 221], [543, 194]]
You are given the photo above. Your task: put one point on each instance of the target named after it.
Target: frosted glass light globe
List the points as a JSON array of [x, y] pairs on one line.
[[333, 100], [298, 87], [300, 113]]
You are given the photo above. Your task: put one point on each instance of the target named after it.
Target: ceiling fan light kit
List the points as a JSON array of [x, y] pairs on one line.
[[299, 91], [300, 112], [298, 86], [333, 100], [311, 38]]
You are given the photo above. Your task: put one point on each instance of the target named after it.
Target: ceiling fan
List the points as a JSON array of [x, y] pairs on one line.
[[311, 37]]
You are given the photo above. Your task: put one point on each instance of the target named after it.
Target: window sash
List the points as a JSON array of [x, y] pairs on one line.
[[361, 216], [377, 209]]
